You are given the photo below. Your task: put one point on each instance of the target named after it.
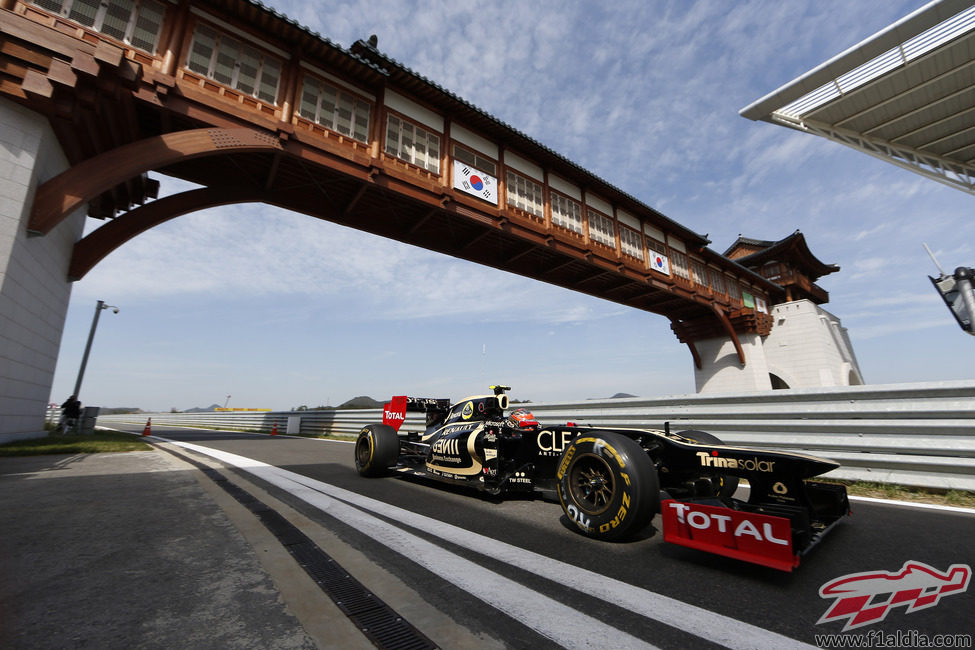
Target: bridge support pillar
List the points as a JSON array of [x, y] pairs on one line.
[[721, 370], [34, 290], [807, 347]]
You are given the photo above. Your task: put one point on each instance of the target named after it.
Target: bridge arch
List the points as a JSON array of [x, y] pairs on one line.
[[71, 189], [95, 246]]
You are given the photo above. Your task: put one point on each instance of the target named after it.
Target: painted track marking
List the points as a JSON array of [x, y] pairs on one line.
[[563, 624]]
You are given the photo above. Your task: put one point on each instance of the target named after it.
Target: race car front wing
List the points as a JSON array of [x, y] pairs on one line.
[[772, 535]]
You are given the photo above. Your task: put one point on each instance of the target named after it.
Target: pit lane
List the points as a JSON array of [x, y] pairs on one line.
[[513, 569]]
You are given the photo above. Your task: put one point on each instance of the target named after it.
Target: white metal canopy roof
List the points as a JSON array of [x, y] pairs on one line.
[[905, 95]]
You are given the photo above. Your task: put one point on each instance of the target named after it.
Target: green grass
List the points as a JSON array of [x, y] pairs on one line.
[[959, 498], [98, 442], [328, 436]]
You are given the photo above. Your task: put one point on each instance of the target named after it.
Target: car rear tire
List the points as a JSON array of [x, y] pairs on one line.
[[607, 485], [723, 485], [376, 450]]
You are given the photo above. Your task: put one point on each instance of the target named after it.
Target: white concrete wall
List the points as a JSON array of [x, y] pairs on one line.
[[809, 347], [34, 291], [722, 372]]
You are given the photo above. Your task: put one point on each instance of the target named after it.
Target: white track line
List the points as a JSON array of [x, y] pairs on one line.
[[549, 618], [915, 504], [562, 624]]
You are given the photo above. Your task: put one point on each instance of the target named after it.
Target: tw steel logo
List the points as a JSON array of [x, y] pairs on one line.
[[866, 598]]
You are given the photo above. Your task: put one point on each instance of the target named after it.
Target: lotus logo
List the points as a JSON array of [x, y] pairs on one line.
[[867, 598]]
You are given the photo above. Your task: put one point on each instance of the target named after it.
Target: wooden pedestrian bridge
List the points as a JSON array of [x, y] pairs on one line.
[[252, 107]]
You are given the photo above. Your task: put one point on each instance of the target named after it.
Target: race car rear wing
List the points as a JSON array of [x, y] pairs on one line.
[[394, 411]]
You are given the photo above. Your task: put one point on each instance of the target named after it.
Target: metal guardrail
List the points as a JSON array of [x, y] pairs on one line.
[[907, 434]]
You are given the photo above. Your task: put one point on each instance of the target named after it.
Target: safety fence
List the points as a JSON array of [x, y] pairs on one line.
[[907, 434]]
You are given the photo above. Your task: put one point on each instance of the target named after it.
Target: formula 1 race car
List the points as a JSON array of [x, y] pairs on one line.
[[611, 482]]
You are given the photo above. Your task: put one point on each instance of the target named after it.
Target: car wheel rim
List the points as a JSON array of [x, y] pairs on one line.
[[363, 451], [592, 484]]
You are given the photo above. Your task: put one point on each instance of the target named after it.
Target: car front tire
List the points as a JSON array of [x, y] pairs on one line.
[[607, 485]]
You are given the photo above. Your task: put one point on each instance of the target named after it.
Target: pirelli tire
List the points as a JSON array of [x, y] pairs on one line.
[[723, 485], [376, 450], [607, 485]]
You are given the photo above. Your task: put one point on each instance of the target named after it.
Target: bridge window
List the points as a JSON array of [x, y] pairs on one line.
[[678, 262], [525, 194], [475, 160], [230, 62], [602, 229], [566, 213], [699, 273], [734, 291], [631, 242], [717, 281], [657, 245], [335, 109], [412, 144], [136, 22], [773, 271]]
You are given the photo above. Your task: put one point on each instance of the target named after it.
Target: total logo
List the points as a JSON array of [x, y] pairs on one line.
[[701, 520], [751, 464], [394, 415]]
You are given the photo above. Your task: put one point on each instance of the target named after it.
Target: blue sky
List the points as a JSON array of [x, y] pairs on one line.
[[279, 310]]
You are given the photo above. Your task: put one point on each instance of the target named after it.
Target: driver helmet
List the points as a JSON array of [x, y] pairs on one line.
[[434, 417], [522, 418]]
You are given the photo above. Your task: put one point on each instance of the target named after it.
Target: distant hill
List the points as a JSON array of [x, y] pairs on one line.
[[119, 410], [212, 407], [361, 402]]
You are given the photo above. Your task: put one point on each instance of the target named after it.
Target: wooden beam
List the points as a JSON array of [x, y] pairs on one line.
[[730, 330], [60, 196]]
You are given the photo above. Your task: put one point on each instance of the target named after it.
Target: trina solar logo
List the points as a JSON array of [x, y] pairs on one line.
[[866, 598], [749, 464]]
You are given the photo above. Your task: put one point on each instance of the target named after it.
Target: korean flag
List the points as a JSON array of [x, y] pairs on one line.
[[476, 183], [659, 262]]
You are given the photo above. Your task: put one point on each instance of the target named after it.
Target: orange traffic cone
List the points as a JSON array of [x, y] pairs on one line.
[[148, 430], [274, 430]]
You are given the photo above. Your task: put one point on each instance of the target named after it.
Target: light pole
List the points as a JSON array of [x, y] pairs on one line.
[[91, 336]]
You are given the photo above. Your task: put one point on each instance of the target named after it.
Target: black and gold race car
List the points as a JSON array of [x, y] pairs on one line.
[[611, 482]]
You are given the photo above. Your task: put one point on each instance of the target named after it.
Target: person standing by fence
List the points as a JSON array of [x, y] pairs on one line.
[[70, 412]]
